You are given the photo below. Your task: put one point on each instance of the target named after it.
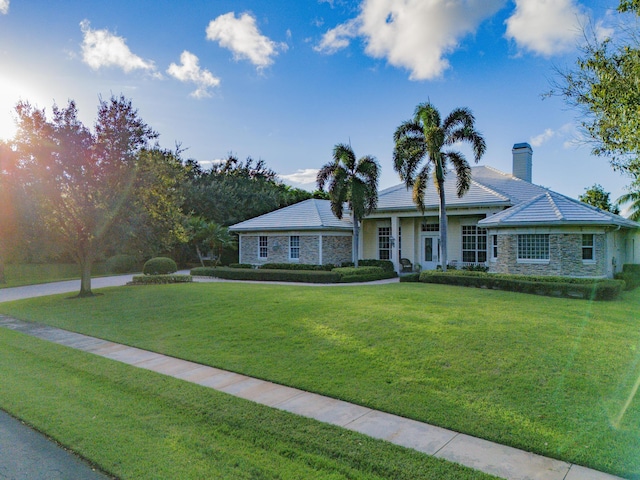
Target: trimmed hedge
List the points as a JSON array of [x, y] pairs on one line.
[[593, 289], [122, 263], [264, 275], [159, 266], [160, 279], [386, 265], [297, 266], [240, 265], [410, 277], [363, 274], [631, 276]]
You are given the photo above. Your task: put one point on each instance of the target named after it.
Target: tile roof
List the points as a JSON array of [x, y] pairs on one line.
[[551, 208], [312, 214], [488, 187]]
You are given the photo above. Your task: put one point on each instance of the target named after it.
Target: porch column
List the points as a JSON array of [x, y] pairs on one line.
[[360, 242], [320, 249], [395, 234]]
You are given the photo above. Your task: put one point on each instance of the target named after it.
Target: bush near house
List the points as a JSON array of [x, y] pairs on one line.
[[297, 266], [586, 288], [240, 265], [159, 266], [386, 265], [631, 276], [159, 279], [265, 275], [363, 274]]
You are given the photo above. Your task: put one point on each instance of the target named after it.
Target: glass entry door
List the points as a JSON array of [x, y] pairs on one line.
[[430, 252]]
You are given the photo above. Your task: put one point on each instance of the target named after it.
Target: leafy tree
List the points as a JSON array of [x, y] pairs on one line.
[[633, 198], [234, 191], [209, 235], [604, 88], [88, 185], [597, 197], [351, 181], [421, 146]]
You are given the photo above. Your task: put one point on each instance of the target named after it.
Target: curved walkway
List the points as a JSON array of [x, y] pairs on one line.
[[489, 457]]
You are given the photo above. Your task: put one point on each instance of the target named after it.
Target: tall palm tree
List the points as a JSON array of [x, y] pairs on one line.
[[422, 145], [633, 197], [351, 181]]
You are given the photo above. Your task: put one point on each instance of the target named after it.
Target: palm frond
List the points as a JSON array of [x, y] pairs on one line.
[[343, 153], [633, 198], [463, 172], [420, 186]]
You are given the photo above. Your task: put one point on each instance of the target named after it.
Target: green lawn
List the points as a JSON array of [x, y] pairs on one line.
[[31, 274], [548, 375], [134, 424]]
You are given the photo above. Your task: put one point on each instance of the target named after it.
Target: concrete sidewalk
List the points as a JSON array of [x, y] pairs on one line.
[[489, 457]]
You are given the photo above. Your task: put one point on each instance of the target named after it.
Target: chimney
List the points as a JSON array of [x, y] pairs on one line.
[[522, 160]]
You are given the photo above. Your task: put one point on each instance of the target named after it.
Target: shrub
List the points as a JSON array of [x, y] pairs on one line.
[[474, 267], [159, 266], [240, 265], [596, 289], [306, 276], [297, 266], [631, 276], [410, 277], [122, 264], [159, 279], [386, 265], [363, 274]]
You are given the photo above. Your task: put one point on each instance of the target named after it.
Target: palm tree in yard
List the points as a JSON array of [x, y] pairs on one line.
[[424, 148], [351, 181], [633, 197]]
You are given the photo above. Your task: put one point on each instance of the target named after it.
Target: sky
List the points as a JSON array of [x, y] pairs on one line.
[[285, 81]]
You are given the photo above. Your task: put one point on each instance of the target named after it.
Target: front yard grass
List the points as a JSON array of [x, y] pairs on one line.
[[31, 274], [137, 424], [553, 376]]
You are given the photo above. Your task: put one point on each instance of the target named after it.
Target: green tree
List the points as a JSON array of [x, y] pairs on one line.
[[85, 183], [597, 197], [604, 88], [421, 146], [351, 181], [211, 236], [632, 197]]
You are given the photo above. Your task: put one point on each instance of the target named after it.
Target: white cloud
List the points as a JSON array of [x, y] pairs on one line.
[[305, 176], [4, 7], [242, 37], [189, 71], [546, 27], [544, 137], [101, 48], [338, 38], [412, 34]]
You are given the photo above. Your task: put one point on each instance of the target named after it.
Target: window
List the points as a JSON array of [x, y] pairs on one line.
[[263, 248], [494, 246], [474, 244], [384, 243], [294, 247], [533, 246], [587, 247], [430, 227]]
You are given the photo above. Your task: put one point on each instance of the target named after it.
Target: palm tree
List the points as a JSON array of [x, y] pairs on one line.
[[351, 181], [633, 197], [422, 145], [210, 235]]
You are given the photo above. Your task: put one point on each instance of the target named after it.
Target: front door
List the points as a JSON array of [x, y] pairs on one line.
[[430, 252]]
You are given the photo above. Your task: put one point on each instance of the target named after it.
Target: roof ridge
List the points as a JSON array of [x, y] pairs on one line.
[[554, 206]]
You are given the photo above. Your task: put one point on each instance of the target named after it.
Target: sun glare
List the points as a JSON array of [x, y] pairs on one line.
[[12, 90]]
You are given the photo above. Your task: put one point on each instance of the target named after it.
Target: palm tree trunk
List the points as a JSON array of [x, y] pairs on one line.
[[199, 255], [443, 218], [356, 240]]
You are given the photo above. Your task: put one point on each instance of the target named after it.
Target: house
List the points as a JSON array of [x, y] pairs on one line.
[[504, 222]]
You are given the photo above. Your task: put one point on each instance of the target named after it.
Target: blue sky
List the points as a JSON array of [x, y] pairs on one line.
[[285, 81]]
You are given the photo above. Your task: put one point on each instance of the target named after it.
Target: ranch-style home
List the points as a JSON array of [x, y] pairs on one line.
[[504, 222]]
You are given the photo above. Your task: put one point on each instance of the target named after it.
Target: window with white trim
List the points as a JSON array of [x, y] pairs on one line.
[[588, 247], [474, 244], [430, 227], [494, 247], [263, 246], [294, 247], [384, 243], [533, 246]]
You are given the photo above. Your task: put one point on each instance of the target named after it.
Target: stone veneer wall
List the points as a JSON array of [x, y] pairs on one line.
[[565, 257], [335, 249]]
